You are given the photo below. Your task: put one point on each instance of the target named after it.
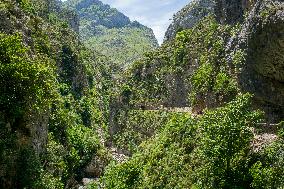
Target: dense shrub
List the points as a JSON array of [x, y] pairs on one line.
[[44, 74], [268, 171], [25, 83], [224, 145], [190, 70], [211, 151], [136, 126]]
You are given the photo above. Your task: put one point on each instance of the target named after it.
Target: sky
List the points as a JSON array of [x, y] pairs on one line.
[[155, 14]]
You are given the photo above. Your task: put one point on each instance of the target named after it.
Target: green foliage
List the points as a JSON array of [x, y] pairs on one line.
[[161, 162], [281, 129], [48, 181], [268, 171], [238, 57], [192, 65], [224, 83], [122, 45], [147, 79], [47, 78], [202, 80], [83, 140], [123, 176], [213, 74], [78, 142], [55, 164], [207, 152], [51, 75], [28, 87], [225, 144], [26, 5], [136, 126], [106, 30], [26, 83]]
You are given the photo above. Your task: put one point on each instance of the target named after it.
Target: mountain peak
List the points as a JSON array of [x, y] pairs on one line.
[[105, 29], [99, 13]]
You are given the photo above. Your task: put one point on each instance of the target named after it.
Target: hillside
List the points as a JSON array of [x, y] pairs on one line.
[[53, 97], [106, 30], [204, 110]]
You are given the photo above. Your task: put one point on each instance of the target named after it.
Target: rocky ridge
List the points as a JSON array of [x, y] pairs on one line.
[[188, 17], [106, 30]]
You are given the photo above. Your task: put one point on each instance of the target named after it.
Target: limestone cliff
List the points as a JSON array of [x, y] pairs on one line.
[[189, 16], [188, 68], [261, 40]]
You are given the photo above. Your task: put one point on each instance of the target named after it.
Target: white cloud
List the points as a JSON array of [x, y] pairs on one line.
[[155, 14]]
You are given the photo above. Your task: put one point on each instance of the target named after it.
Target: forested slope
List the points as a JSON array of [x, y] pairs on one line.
[[204, 110], [53, 97], [106, 30], [215, 134]]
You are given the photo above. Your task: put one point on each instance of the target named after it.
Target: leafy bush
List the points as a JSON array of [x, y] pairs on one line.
[[268, 171], [43, 77], [224, 145], [136, 126], [192, 65], [211, 151], [48, 181], [25, 83], [26, 5]]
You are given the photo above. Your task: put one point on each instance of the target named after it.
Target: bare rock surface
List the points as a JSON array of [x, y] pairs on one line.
[[261, 39], [189, 16]]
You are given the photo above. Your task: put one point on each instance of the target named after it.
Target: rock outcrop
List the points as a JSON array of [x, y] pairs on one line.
[[26, 131], [24, 136], [232, 11], [261, 39], [102, 14], [189, 16]]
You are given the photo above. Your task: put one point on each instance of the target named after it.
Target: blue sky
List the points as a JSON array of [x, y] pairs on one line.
[[155, 14]]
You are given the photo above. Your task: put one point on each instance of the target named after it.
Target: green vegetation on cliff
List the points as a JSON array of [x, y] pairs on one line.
[[211, 151], [193, 65], [54, 95], [108, 31], [179, 116]]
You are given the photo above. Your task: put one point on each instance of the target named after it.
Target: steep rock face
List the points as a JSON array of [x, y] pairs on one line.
[[14, 20], [257, 41], [262, 41], [230, 11], [48, 8], [189, 16], [26, 132]]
